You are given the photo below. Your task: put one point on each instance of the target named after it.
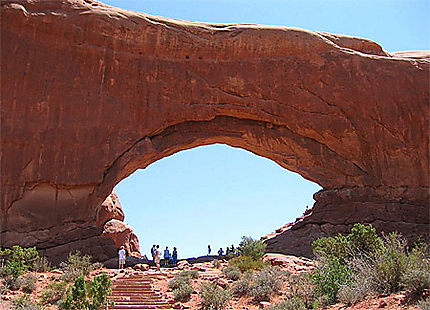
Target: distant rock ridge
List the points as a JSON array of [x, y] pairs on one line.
[[90, 93]]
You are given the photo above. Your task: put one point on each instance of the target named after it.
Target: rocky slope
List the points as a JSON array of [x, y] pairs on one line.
[[90, 93]]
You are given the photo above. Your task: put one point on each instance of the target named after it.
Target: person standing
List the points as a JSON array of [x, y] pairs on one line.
[[121, 258], [152, 251], [209, 250], [166, 256], [220, 252], [157, 257], [174, 256]]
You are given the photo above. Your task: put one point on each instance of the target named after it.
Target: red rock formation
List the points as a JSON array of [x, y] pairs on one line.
[[90, 93], [122, 235], [110, 209]]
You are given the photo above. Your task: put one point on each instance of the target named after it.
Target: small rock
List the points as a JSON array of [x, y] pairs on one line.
[[382, 304], [56, 271], [264, 304]]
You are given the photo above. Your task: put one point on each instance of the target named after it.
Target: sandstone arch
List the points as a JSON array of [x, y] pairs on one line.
[[89, 93]]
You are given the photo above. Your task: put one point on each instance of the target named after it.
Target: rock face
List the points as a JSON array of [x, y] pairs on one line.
[[90, 93]]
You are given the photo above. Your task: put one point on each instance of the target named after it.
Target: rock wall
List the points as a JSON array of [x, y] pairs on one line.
[[90, 93]]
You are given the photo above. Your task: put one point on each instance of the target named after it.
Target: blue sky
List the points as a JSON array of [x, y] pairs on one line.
[[215, 194]]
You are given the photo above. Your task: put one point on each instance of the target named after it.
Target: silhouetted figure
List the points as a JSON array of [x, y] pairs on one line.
[[227, 251], [209, 250], [220, 252], [153, 251], [166, 256], [174, 256]]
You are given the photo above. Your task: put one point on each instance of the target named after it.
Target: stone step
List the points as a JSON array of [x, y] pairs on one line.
[[136, 292]]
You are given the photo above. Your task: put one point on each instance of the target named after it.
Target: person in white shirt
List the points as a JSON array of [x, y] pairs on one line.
[[121, 258]]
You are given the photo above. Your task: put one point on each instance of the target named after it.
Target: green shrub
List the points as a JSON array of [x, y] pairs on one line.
[[177, 282], [183, 292], [53, 293], [232, 272], [18, 260], [416, 278], [77, 265], [292, 303], [329, 276], [214, 297], [27, 283], [23, 302], [266, 283], [251, 248], [91, 295], [301, 287], [384, 269], [180, 285], [245, 263], [362, 240]]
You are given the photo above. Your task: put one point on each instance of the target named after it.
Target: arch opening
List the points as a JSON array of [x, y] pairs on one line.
[[210, 195]]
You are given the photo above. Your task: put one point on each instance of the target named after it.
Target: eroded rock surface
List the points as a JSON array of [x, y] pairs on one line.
[[90, 93]]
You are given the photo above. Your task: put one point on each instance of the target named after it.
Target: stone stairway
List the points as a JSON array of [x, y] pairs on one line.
[[136, 292]]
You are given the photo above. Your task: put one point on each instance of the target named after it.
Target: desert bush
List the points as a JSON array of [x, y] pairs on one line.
[[251, 248], [41, 264], [241, 287], [232, 272], [177, 282], [329, 276], [27, 283], [53, 293], [292, 303], [12, 284], [349, 294], [245, 263], [188, 274], [266, 283], [77, 265], [91, 295], [301, 287], [362, 240], [18, 260], [424, 304], [4, 289], [180, 285], [3, 272], [214, 297], [183, 292], [383, 270], [183, 278], [416, 278], [216, 263], [23, 302]]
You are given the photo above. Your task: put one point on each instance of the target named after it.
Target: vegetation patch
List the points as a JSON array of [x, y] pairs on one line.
[[214, 297]]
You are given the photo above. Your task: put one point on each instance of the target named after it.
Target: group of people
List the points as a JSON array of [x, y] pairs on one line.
[[169, 259], [221, 251]]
